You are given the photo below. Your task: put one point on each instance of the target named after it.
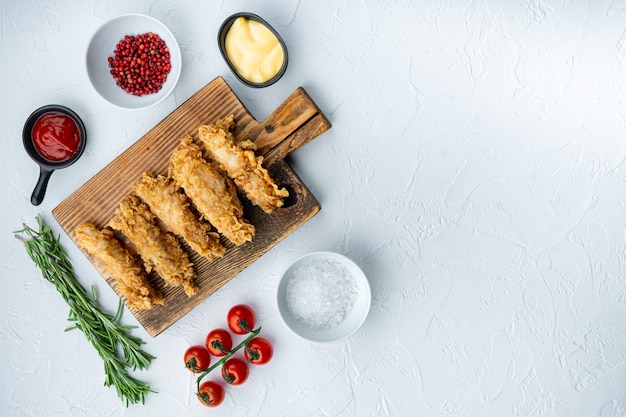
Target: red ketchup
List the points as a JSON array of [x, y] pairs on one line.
[[56, 137]]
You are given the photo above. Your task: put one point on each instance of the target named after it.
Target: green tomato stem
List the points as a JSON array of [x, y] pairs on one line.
[[244, 343]]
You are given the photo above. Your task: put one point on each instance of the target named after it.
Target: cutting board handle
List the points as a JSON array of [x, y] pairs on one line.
[[293, 124]]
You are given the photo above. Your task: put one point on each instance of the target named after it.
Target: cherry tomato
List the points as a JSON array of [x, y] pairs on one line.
[[219, 342], [235, 371], [240, 319], [259, 351], [211, 394], [197, 358]]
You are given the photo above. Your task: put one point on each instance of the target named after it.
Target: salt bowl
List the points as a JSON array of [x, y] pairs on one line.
[[324, 297]]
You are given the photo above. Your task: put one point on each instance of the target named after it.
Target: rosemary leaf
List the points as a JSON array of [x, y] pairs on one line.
[[104, 331]]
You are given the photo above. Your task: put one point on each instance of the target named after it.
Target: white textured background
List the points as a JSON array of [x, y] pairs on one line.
[[475, 170]]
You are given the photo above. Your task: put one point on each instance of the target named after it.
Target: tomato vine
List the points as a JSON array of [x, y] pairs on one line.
[[224, 358]]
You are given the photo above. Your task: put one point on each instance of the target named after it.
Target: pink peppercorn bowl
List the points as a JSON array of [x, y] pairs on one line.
[[353, 318], [102, 46]]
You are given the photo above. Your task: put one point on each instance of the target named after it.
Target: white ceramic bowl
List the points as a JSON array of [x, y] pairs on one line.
[[352, 321], [103, 44]]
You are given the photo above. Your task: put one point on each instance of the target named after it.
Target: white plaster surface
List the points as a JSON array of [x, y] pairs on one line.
[[474, 170]]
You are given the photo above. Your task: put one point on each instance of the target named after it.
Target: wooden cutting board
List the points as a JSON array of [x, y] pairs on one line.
[[294, 123]]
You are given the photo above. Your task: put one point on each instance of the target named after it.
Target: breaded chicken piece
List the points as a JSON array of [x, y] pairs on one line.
[[159, 250], [241, 164], [213, 194], [131, 278], [170, 205]]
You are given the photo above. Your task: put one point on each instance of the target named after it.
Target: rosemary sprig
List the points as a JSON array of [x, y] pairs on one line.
[[105, 331]]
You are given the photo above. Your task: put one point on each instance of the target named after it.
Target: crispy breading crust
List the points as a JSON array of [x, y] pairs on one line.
[[132, 280], [159, 250], [241, 164], [172, 207], [214, 195]]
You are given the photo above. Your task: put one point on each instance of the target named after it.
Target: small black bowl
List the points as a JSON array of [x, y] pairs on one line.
[[221, 40], [47, 167]]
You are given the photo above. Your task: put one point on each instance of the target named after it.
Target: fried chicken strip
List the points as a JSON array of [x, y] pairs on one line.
[[131, 278], [241, 164], [214, 195], [159, 250], [172, 207]]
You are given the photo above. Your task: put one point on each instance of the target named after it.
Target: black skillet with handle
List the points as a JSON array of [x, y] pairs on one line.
[[48, 166]]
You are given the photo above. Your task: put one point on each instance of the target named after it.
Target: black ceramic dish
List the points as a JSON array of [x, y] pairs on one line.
[[47, 167], [221, 39]]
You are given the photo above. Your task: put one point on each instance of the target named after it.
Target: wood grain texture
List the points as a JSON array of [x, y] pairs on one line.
[[297, 121]]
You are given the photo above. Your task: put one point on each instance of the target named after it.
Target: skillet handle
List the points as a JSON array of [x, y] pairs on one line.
[[42, 184]]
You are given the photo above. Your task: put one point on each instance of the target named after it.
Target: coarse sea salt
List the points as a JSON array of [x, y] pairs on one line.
[[321, 293]]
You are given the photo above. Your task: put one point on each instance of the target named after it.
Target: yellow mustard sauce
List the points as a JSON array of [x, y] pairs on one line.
[[254, 50]]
